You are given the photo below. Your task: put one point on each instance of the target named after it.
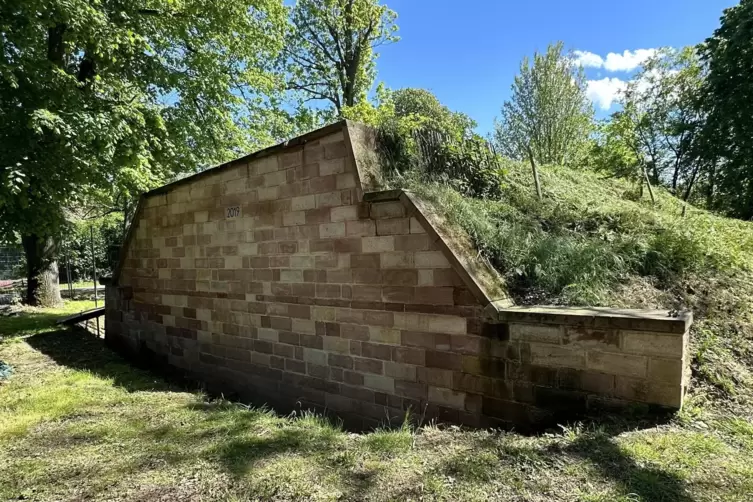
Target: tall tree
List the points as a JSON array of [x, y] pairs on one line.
[[548, 118], [662, 102], [728, 99], [331, 49], [113, 95]]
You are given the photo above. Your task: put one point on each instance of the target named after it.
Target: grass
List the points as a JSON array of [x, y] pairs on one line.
[[38, 320], [80, 285], [78, 422]]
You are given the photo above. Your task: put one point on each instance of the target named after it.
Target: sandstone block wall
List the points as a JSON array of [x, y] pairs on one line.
[[277, 277]]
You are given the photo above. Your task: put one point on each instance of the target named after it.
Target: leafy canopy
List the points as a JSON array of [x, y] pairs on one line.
[[330, 52], [114, 95], [728, 100]]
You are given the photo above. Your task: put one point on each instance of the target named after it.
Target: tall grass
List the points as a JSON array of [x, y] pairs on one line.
[[589, 236]]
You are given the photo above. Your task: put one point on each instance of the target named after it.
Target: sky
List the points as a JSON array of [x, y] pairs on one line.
[[467, 53]]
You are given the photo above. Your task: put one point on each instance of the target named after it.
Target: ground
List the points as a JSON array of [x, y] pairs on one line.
[[79, 423]]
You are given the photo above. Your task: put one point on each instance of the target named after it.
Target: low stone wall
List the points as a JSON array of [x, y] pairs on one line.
[[575, 359], [278, 278]]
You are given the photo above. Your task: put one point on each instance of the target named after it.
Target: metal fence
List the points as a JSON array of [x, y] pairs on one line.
[[11, 261]]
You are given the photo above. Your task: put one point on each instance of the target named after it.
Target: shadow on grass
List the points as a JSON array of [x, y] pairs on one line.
[[78, 349], [650, 483], [27, 323]]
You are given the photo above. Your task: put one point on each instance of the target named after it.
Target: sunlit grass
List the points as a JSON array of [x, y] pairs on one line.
[[38, 320]]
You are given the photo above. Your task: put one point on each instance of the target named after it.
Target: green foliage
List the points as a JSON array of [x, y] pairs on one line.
[[330, 51], [663, 115], [727, 91], [424, 110], [470, 166], [76, 250], [615, 149], [549, 118], [112, 96]]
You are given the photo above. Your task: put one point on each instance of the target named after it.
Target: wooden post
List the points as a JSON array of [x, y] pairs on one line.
[[535, 172], [94, 273], [648, 183]]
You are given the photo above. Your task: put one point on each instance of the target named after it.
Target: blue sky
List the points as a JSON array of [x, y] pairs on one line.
[[468, 52]]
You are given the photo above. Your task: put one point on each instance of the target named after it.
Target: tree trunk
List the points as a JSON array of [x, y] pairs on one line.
[[43, 286]]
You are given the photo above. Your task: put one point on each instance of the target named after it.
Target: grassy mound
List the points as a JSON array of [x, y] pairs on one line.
[[598, 242]]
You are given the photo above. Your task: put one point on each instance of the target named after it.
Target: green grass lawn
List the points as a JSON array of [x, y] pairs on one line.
[[79, 423], [81, 285], [36, 320]]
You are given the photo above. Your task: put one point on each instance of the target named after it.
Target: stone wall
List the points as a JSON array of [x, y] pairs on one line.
[[278, 278]]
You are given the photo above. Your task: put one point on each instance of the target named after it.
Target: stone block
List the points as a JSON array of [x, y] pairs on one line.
[[360, 228], [617, 364], [332, 230], [315, 356], [340, 361], [412, 390], [397, 259], [380, 334], [555, 355], [418, 242], [400, 371], [428, 340], [378, 244], [409, 355], [384, 210], [331, 166], [540, 333], [669, 371], [635, 389], [394, 226], [447, 397], [444, 360], [293, 218], [337, 345], [602, 339], [658, 344], [435, 376], [431, 322], [431, 259], [372, 366], [379, 382]]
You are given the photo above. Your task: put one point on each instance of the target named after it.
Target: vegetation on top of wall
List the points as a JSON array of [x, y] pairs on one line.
[[597, 241]]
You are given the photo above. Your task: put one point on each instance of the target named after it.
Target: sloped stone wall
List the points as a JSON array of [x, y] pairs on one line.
[[278, 278]]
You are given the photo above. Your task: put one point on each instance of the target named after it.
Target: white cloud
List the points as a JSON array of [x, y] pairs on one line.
[[605, 92], [588, 59], [627, 61]]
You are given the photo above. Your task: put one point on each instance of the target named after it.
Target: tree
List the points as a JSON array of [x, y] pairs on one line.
[[616, 150], [548, 118], [728, 100], [662, 103], [113, 96], [330, 53]]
